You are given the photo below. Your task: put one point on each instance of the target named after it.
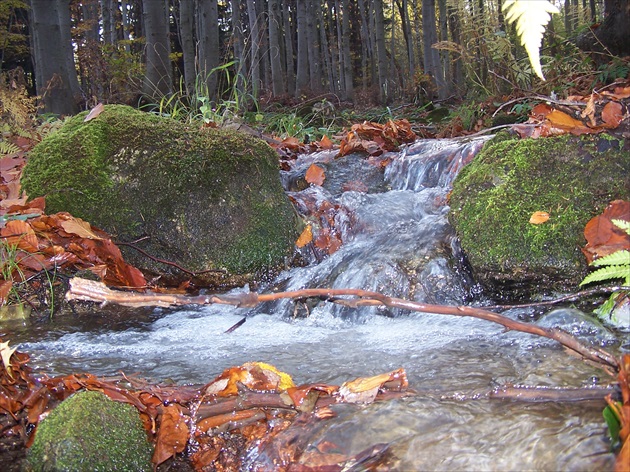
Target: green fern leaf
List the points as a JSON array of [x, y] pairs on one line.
[[8, 148], [531, 18], [610, 272], [616, 258], [623, 224]]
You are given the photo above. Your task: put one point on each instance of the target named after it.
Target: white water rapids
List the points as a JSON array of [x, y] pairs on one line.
[[397, 241]]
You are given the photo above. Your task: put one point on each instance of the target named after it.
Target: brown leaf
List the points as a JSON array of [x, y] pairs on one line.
[[612, 114], [5, 289], [589, 110], [602, 236], [305, 237], [20, 234], [315, 175], [172, 435], [539, 217], [325, 143], [94, 112], [81, 228], [561, 120]]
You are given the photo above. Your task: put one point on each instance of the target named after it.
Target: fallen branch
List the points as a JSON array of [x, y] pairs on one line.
[[82, 289]]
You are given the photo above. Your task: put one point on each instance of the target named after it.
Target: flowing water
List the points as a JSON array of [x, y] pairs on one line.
[[397, 241]]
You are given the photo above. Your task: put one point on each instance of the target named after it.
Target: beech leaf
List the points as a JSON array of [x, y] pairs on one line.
[[315, 175], [94, 112]]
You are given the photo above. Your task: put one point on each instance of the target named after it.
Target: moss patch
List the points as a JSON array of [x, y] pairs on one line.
[[90, 432], [208, 199], [571, 178]]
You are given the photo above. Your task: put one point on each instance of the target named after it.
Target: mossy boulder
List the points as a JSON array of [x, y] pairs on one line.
[[90, 432], [571, 178], [202, 198]]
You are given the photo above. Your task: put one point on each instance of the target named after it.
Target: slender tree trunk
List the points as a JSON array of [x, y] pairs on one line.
[[56, 82], [347, 58], [208, 55], [365, 43], [314, 54], [381, 53], [302, 82], [186, 28], [159, 74], [239, 48], [254, 41], [403, 8], [457, 68], [275, 56], [125, 23], [445, 56], [289, 20]]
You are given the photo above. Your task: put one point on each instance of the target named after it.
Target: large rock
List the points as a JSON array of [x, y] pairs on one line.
[[204, 199], [90, 432], [571, 178]]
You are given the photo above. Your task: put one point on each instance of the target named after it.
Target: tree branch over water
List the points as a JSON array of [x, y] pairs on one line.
[[88, 290]]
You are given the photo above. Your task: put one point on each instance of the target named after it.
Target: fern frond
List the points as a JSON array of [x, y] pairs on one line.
[[8, 148], [623, 224], [610, 272], [616, 258], [530, 18]]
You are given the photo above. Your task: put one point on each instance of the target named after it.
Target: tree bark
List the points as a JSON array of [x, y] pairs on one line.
[[613, 33], [381, 53], [302, 81], [55, 74], [275, 56], [254, 41], [208, 40], [347, 58], [158, 81], [186, 29]]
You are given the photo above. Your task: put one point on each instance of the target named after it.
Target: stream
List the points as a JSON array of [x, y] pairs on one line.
[[396, 240]]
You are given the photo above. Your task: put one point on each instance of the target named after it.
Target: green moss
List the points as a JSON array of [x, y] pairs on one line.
[[90, 432], [134, 174], [494, 197]]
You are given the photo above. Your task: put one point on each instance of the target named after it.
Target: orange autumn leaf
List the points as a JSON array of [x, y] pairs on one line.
[[539, 217], [172, 436], [559, 119], [81, 228], [20, 234], [325, 143], [602, 236], [612, 114], [315, 175], [306, 237]]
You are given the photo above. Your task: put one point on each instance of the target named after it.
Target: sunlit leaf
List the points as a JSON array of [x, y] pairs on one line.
[[94, 112], [81, 228], [305, 237], [530, 18], [539, 217]]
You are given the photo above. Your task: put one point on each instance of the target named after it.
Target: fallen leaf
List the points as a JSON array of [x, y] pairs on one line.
[[559, 119], [325, 143], [539, 217], [79, 227], [315, 175], [172, 435], [19, 233], [94, 112], [602, 236], [305, 237], [612, 114], [5, 354]]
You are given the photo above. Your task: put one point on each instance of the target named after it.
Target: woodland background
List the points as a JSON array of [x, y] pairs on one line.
[[75, 54]]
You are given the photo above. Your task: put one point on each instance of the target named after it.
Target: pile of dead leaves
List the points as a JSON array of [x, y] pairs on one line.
[[32, 242], [213, 426]]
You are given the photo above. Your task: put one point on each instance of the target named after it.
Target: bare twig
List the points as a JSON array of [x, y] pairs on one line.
[[82, 289]]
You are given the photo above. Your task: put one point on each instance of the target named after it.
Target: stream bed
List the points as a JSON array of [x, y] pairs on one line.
[[396, 240]]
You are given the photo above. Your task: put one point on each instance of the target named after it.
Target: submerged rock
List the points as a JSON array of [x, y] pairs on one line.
[[90, 432], [205, 199], [571, 178]]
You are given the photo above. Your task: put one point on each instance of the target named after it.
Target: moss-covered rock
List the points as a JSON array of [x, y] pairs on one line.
[[202, 198], [90, 432], [571, 178]]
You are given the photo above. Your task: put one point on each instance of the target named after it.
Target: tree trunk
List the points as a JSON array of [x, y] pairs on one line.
[[158, 79], [613, 33], [314, 54], [347, 58], [109, 23], [432, 65], [55, 75], [403, 8], [302, 82], [254, 41], [365, 43], [208, 40], [381, 53], [288, 47], [275, 56], [186, 28]]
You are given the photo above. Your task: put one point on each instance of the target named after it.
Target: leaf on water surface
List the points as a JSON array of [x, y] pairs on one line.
[[365, 389], [253, 375], [315, 175], [539, 217], [173, 434], [305, 237]]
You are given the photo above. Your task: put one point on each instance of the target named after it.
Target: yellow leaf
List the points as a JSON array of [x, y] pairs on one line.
[[305, 237], [530, 18], [6, 353], [539, 217]]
